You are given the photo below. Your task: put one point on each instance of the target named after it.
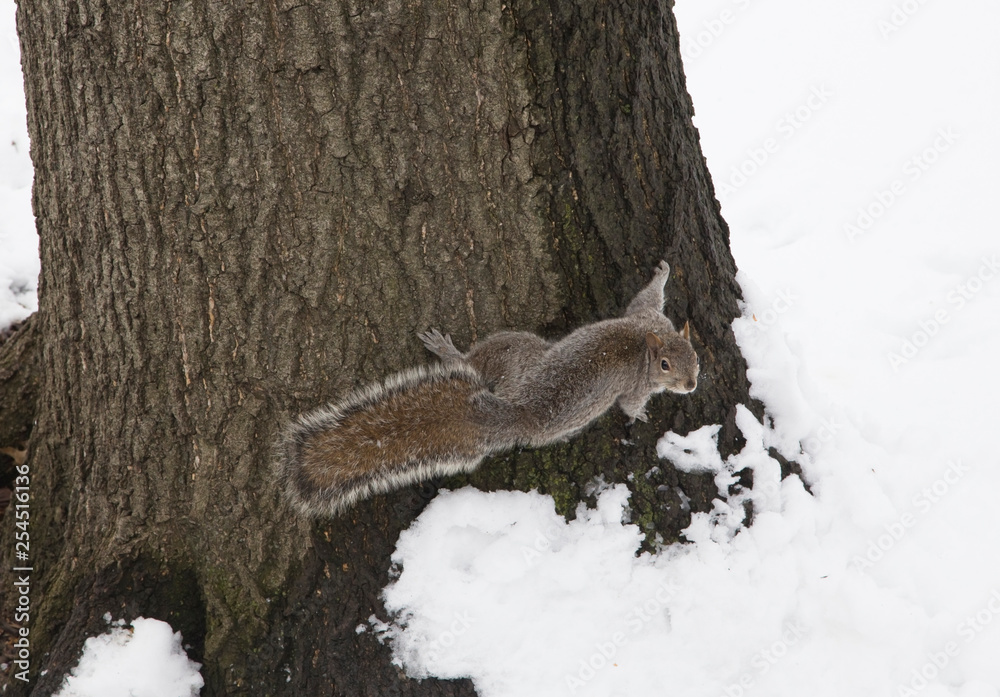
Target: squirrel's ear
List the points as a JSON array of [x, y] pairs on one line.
[[653, 342], [686, 331]]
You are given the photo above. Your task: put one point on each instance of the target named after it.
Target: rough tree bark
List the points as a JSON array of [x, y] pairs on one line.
[[248, 208]]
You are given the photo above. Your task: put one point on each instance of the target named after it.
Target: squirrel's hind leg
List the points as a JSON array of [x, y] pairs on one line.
[[441, 346], [651, 297]]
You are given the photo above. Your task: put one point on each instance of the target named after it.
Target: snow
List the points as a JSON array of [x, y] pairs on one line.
[[853, 146], [698, 451], [146, 661], [18, 241]]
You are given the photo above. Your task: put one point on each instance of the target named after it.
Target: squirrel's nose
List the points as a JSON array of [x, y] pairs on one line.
[[690, 385]]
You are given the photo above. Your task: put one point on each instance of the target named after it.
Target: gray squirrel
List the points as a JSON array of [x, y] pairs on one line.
[[511, 389]]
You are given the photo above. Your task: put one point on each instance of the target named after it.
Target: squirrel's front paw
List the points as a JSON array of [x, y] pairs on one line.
[[641, 416], [663, 269]]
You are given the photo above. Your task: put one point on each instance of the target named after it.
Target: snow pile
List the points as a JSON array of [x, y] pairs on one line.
[[18, 242], [499, 588], [146, 661]]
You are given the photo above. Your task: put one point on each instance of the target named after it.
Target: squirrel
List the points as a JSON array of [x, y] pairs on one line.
[[511, 389]]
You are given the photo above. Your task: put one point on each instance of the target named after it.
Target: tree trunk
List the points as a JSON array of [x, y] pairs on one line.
[[247, 209]]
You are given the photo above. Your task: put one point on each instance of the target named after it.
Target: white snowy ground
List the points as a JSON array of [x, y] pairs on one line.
[[853, 145]]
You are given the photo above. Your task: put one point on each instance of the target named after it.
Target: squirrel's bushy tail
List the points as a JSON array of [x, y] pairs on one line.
[[417, 424]]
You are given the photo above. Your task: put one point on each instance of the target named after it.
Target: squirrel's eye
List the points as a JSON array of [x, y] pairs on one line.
[[665, 365]]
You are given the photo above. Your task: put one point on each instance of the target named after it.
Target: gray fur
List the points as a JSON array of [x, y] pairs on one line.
[[513, 388]]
